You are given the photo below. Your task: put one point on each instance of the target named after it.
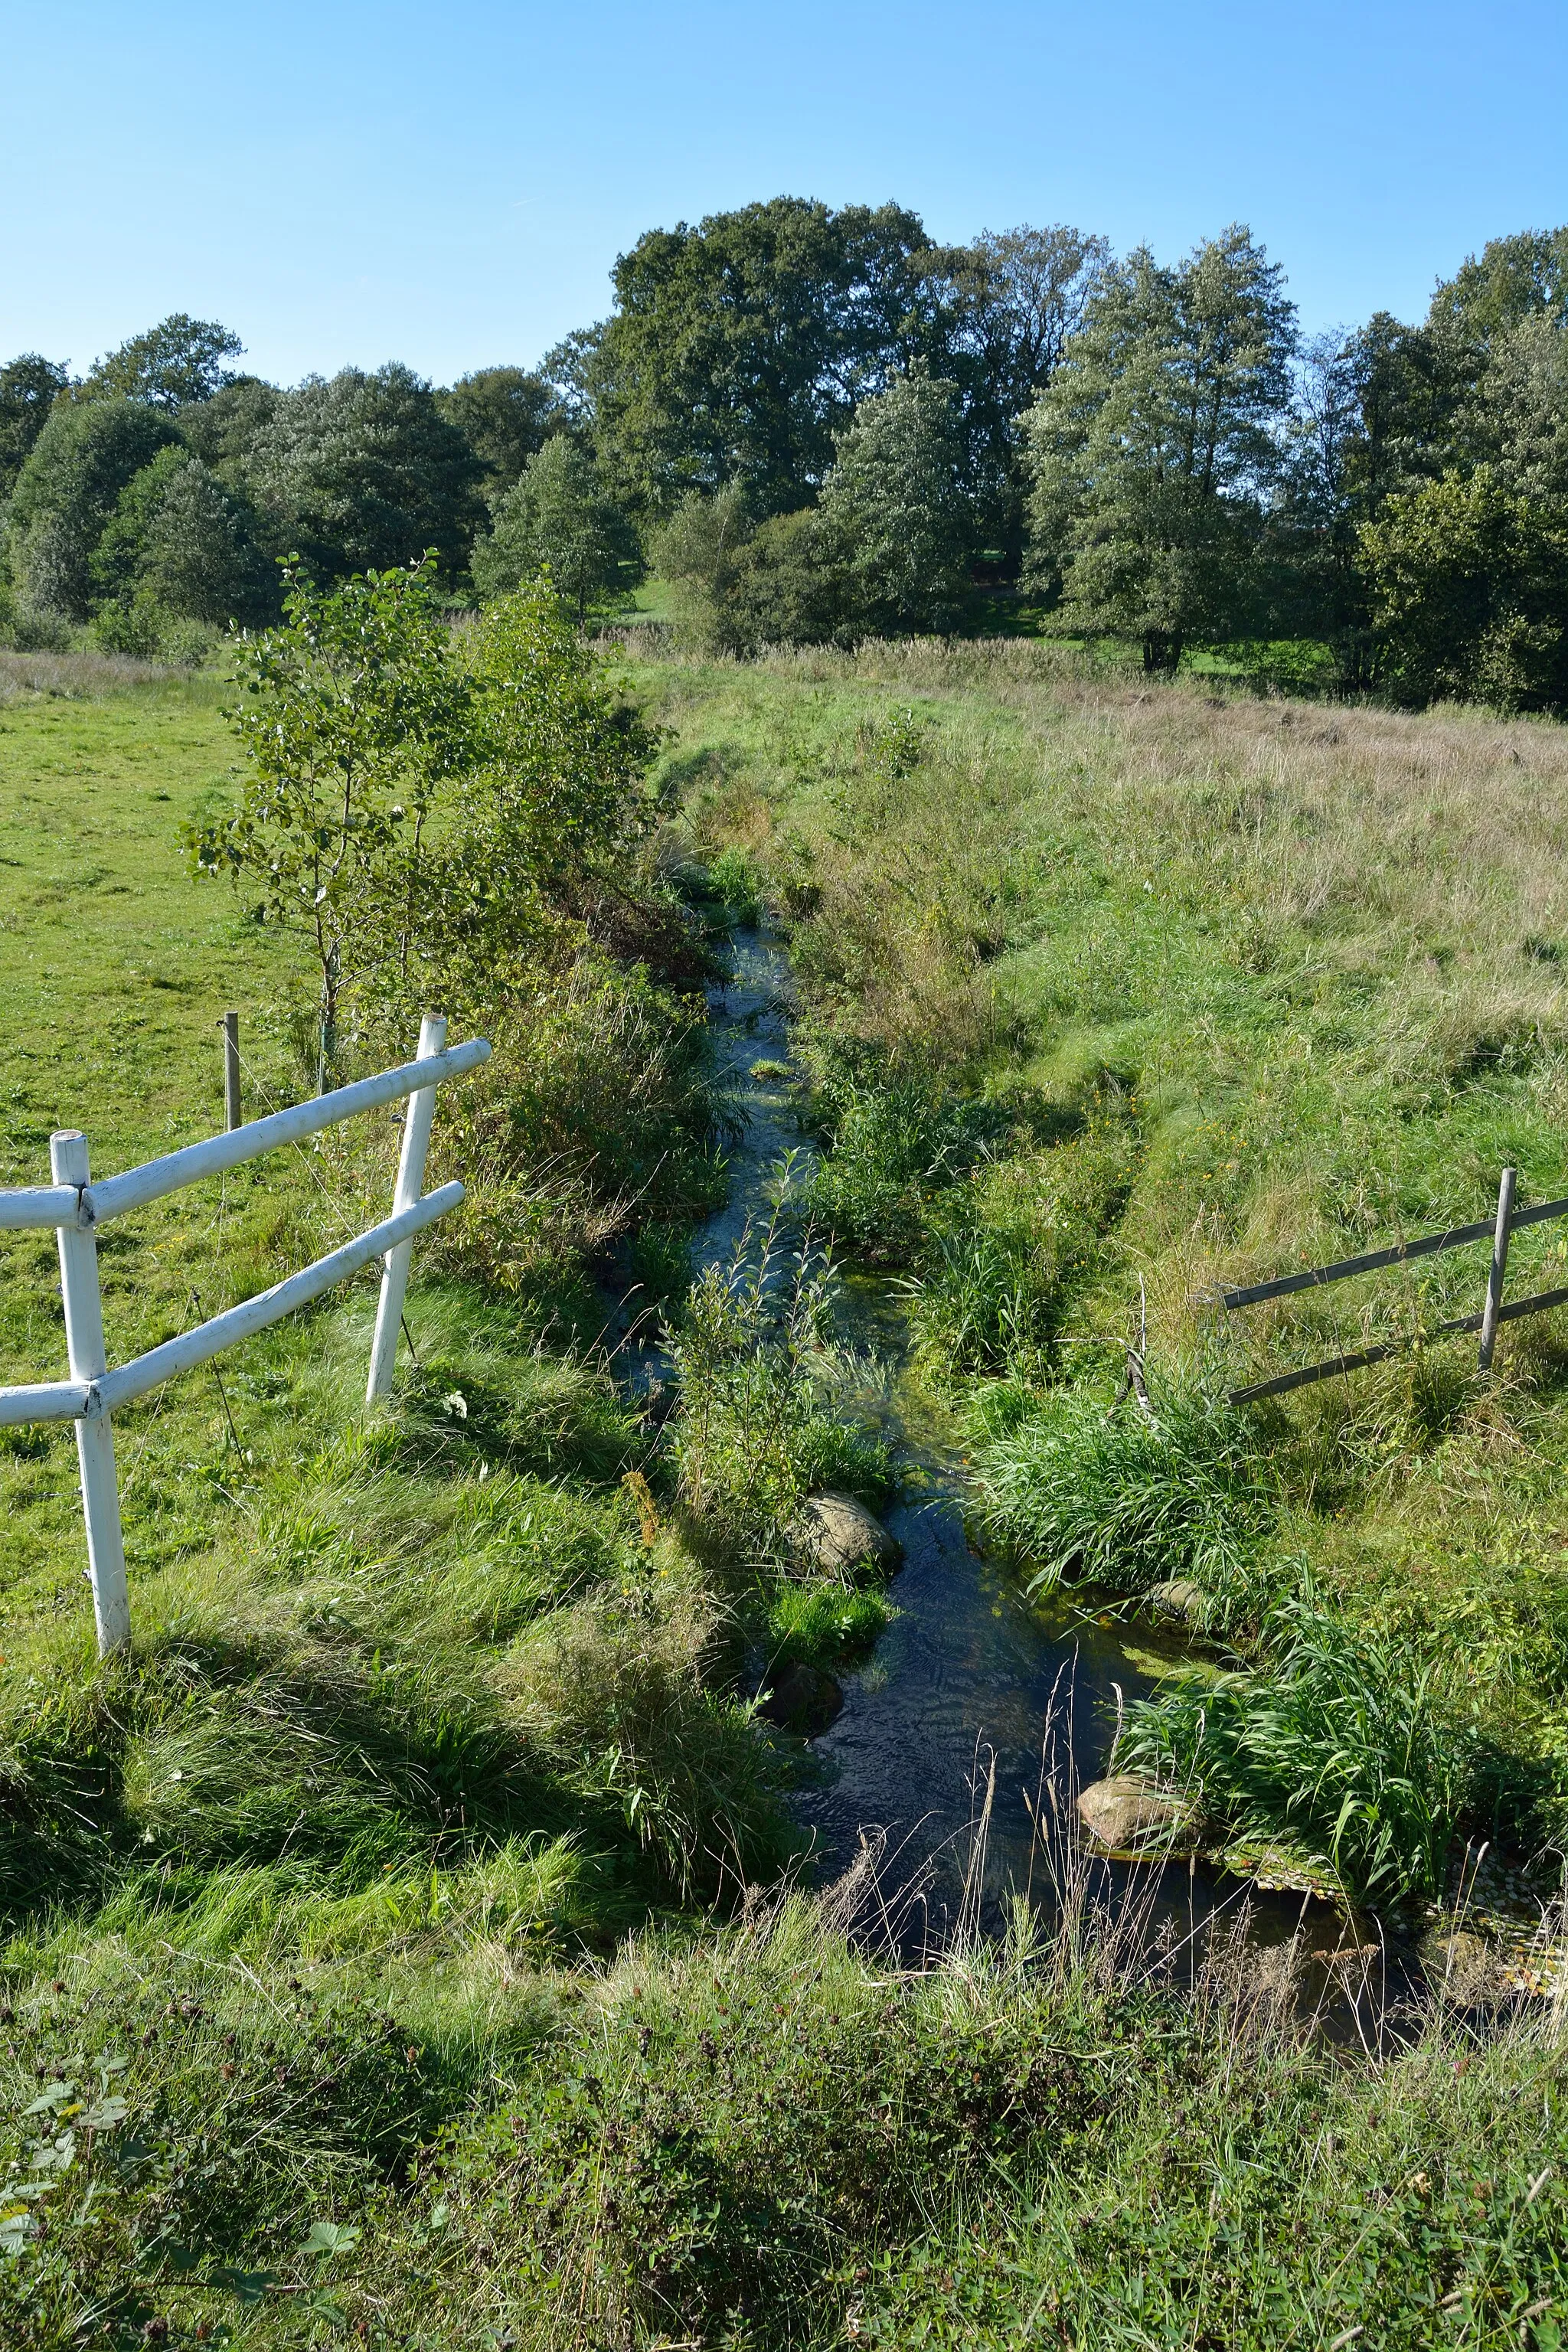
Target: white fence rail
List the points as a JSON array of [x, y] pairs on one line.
[[76, 1207]]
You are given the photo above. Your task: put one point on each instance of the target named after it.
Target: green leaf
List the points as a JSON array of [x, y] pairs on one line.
[[330, 2238]]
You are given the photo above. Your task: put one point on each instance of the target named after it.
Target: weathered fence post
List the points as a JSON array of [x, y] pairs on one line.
[[1498, 1266], [231, 1069], [410, 1184], [94, 1432]]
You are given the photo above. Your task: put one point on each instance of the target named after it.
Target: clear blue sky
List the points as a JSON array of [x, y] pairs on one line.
[[449, 184]]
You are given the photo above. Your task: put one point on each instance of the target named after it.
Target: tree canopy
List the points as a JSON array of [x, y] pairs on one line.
[[30, 386], [505, 414], [557, 517], [1153, 447], [819, 423], [738, 347], [362, 472], [173, 365]]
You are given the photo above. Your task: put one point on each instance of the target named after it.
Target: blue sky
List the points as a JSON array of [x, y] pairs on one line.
[[449, 184]]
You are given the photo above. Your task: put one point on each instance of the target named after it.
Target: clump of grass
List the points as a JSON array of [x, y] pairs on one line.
[[612, 1691], [593, 1117], [1120, 1496], [753, 1434], [1005, 1250], [1344, 1741], [896, 1142], [823, 1624]]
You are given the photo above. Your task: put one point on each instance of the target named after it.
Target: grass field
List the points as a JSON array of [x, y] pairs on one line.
[[394, 1949], [1249, 985]]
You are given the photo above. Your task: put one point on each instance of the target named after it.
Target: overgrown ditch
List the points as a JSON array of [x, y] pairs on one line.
[[966, 1735]]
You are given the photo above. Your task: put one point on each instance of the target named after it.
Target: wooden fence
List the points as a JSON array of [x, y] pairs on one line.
[[1499, 1229]]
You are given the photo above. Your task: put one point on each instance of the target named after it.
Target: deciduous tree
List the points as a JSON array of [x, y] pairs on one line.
[[363, 473], [558, 517], [895, 507], [173, 365], [29, 387], [505, 414], [356, 711], [85, 457], [738, 347], [1153, 443]]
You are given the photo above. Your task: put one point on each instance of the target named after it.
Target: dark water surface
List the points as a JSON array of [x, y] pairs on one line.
[[970, 1688]]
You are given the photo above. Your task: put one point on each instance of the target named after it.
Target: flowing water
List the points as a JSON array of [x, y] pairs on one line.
[[972, 1689]]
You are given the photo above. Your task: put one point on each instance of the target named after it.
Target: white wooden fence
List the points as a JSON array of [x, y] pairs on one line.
[[76, 1207]]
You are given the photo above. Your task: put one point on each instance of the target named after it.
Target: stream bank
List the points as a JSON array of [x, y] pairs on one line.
[[978, 1713]]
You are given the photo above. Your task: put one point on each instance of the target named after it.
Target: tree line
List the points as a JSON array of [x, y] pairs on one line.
[[818, 425]]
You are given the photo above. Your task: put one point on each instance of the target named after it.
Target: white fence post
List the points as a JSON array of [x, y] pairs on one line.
[[94, 1433], [410, 1185]]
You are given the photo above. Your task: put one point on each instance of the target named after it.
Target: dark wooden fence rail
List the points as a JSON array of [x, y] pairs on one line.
[[1499, 1229]]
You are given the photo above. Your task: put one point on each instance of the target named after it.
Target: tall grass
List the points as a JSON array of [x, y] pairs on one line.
[[764, 2137], [1120, 1496], [1356, 1746], [754, 1432]]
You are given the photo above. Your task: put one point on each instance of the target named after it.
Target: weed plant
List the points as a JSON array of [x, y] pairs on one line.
[[752, 1355]]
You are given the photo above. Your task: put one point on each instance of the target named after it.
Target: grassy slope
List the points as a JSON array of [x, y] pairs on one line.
[[395, 1691], [1305, 967]]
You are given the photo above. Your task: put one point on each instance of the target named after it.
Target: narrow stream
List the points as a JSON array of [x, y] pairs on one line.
[[970, 1686]]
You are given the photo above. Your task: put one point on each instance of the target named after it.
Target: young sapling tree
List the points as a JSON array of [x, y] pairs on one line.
[[355, 714]]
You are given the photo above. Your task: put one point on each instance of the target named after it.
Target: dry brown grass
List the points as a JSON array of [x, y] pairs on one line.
[[78, 676]]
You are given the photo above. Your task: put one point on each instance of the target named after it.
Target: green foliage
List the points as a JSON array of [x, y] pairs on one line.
[[1469, 601], [823, 1624], [894, 1147], [1123, 1498], [561, 755], [86, 454], [593, 1115], [180, 546], [1514, 278], [30, 386], [557, 518], [505, 414], [1009, 303], [1151, 444], [171, 366], [224, 429], [1347, 1741], [1006, 1251], [738, 346], [753, 1357], [697, 551], [363, 472], [894, 503], [790, 586], [357, 712]]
